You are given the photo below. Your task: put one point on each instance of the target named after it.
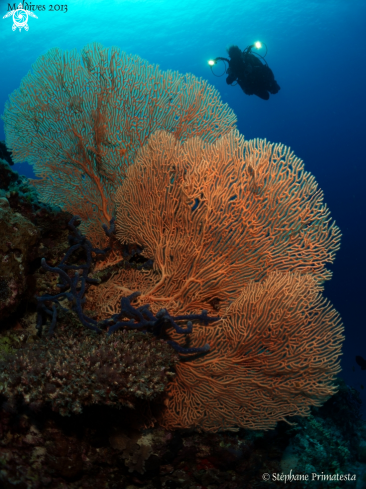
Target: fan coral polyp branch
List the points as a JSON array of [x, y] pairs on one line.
[[212, 217], [274, 354], [80, 118]]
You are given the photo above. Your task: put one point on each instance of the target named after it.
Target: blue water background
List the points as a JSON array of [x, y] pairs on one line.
[[316, 49]]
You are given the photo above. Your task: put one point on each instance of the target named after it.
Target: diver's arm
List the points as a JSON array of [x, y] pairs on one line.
[[222, 59], [248, 50]]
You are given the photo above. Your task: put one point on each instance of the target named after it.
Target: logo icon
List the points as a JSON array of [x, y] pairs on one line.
[[20, 17]]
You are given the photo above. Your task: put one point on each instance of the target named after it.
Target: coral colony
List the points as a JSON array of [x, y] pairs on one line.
[[122, 100], [237, 232]]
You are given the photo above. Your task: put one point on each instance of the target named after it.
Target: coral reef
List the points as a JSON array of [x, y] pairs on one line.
[[10, 179], [136, 449], [17, 248], [111, 449], [5, 154], [75, 368], [23, 198], [6, 346], [329, 441], [30, 230], [73, 286], [317, 444], [17, 189]]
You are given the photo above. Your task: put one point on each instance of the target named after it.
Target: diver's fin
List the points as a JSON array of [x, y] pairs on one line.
[[261, 93]]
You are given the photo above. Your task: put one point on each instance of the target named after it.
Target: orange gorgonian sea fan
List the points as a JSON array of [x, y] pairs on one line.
[[79, 119], [241, 227], [214, 216], [274, 354]]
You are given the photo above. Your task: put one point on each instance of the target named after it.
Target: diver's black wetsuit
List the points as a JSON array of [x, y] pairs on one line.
[[254, 77]]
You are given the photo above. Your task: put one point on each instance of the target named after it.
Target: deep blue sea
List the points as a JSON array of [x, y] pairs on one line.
[[316, 49]]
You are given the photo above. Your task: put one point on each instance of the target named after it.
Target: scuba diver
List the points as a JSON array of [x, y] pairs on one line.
[[247, 69]]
